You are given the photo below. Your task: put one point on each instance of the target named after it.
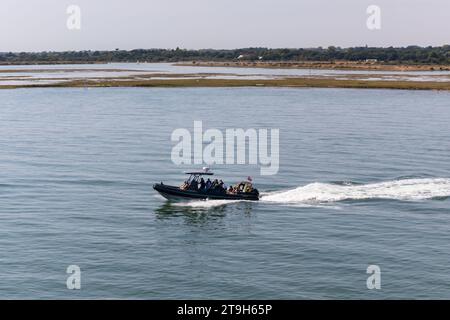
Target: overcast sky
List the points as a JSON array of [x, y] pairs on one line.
[[30, 25]]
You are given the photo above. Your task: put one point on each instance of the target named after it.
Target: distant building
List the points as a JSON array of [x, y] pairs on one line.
[[248, 56], [371, 60]]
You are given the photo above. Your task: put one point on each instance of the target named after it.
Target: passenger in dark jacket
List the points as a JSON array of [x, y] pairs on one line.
[[202, 184], [194, 185], [208, 184]]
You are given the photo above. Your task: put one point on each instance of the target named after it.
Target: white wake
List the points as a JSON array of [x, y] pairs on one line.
[[317, 193], [407, 190]]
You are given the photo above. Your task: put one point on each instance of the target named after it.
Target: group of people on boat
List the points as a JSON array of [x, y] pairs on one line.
[[216, 186]]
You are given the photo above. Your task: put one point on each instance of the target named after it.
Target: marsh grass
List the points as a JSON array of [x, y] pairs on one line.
[[181, 82]]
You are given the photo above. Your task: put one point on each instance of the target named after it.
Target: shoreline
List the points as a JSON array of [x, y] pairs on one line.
[[217, 83], [323, 65]]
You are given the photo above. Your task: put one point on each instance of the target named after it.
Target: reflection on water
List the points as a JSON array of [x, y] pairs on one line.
[[171, 209], [195, 214]]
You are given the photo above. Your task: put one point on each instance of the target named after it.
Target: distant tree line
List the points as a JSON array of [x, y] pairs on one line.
[[391, 55]]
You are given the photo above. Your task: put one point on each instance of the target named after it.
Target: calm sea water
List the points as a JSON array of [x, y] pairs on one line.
[[364, 179]]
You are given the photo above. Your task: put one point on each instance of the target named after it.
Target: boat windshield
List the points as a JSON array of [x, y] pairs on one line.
[[193, 182], [193, 177]]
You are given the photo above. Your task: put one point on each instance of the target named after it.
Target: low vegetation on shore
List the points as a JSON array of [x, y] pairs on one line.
[[286, 82], [411, 55]]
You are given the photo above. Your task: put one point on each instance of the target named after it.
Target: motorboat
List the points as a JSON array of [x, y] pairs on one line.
[[191, 189]]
